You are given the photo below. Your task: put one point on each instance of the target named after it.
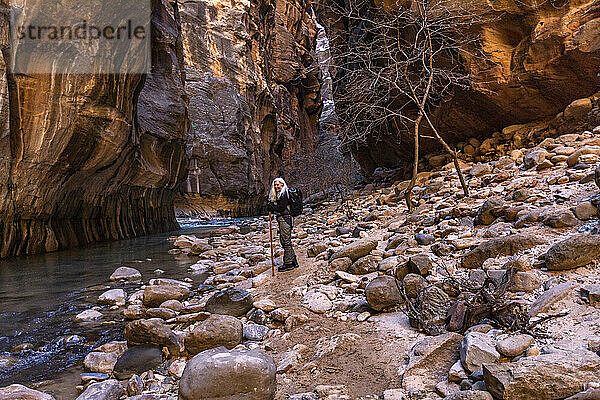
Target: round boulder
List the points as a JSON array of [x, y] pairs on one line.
[[382, 292], [126, 274], [137, 360], [235, 302], [155, 295], [229, 374], [217, 330]]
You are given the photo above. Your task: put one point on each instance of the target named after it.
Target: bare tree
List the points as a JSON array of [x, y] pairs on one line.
[[398, 64]]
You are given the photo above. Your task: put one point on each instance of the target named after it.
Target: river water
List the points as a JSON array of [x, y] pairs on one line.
[[41, 294]]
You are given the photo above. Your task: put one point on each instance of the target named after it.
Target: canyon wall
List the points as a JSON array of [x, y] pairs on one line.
[[540, 56], [91, 157], [253, 84]]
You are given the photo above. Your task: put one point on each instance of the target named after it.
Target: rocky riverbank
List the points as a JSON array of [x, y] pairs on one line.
[[489, 296]]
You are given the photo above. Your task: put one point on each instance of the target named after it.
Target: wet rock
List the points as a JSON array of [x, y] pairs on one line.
[[489, 211], [112, 297], [255, 332], [382, 292], [126, 274], [551, 297], [545, 377], [100, 362], [235, 302], [137, 360], [20, 392], [87, 377], [430, 360], [477, 349], [152, 332], [317, 302], [106, 390], [364, 265], [420, 264], [561, 219], [155, 295], [88, 315], [514, 345], [412, 284], [217, 330], [502, 246], [235, 374], [355, 250], [573, 252]]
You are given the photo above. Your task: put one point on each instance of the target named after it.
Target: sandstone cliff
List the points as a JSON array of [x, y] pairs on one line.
[[91, 157], [540, 57], [252, 81]]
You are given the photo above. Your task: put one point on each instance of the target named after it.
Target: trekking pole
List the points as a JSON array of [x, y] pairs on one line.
[[271, 237]]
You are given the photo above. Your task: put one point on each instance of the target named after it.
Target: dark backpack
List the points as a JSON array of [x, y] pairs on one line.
[[295, 198]]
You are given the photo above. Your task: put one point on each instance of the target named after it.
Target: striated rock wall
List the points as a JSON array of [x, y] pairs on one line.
[[540, 57], [253, 85], [91, 157]]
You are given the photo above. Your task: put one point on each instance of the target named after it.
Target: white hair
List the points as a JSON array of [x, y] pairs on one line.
[[273, 195]]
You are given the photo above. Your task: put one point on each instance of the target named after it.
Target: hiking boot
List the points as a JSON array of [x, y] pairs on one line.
[[295, 264], [285, 267]]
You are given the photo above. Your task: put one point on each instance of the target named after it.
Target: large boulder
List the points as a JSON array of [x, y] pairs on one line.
[[151, 332], [500, 246], [21, 392], [476, 349], [382, 292], [545, 377], [216, 331], [155, 295], [431, 360], [137, 360], [432, 305], [229, 374], [235, 302], [355, 250], [107, 390], [573, 252]]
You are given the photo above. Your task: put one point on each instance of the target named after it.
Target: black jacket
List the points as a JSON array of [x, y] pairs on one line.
[[280, 207]]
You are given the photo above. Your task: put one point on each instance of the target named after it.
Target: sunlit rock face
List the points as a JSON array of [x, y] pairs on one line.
[[92, 157], [541, 55], [253, 87]]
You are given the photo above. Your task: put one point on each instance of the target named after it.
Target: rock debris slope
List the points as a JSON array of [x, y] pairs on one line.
[[386, 304]]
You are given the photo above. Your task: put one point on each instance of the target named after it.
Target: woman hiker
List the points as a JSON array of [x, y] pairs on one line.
[[278, 203]]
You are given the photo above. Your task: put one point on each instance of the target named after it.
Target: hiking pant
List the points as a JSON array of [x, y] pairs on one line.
[[285, 238]]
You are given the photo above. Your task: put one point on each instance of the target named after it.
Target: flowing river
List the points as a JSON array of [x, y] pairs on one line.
[[40, 296]]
